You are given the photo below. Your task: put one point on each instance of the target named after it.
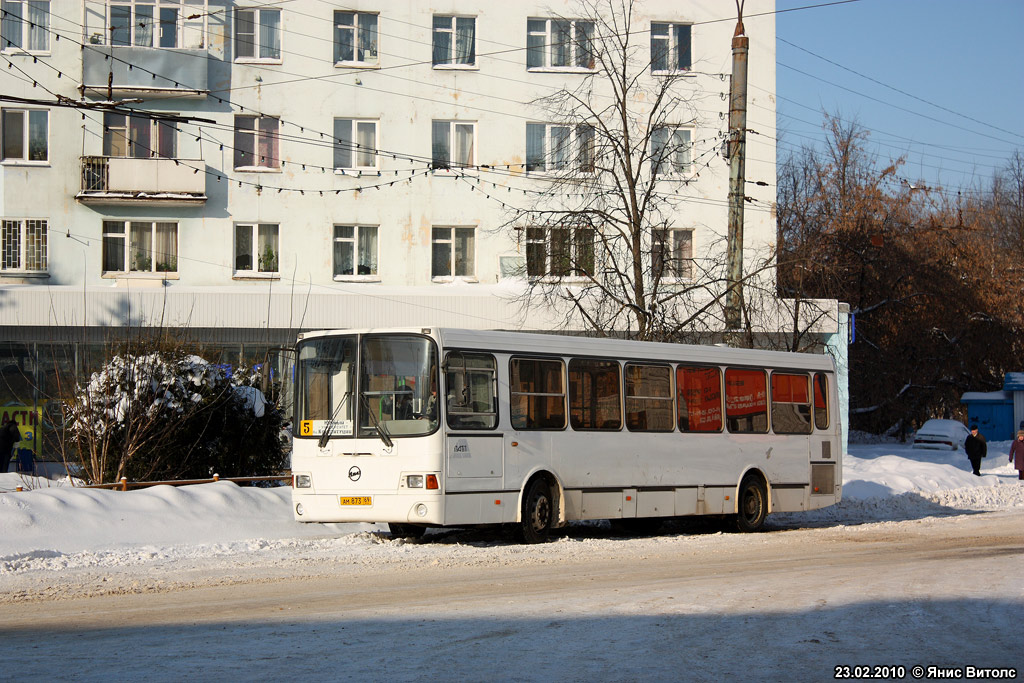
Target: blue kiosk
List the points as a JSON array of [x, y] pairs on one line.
[[998, 414]]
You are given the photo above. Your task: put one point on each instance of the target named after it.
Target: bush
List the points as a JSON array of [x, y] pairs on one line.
[[161, 413]]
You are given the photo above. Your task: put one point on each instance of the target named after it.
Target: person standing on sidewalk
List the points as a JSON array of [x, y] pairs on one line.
[[1017, 454], [977, 448]]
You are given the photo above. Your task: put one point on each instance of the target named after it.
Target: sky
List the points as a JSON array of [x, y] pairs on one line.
[[959, 115]]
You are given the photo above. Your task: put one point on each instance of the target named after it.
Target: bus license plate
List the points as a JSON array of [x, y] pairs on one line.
[[356, 500]]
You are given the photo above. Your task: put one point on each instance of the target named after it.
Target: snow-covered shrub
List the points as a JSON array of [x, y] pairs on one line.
[[161, 413]]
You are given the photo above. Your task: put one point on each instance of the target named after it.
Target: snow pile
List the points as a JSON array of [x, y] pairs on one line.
[[55, 528]]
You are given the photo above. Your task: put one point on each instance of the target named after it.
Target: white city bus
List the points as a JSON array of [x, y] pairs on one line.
[[437, 427]]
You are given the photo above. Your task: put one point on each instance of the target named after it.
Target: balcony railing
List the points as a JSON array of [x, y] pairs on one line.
[[119, 180]]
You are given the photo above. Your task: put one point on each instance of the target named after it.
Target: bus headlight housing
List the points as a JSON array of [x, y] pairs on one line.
[[414, 481], [303, 481]]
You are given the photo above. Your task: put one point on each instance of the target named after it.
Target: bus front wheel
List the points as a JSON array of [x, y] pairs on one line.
[[538, 510], [753, 504], [406, 530]]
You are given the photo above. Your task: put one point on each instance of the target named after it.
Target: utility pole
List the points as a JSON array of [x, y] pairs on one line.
[[736, 151]]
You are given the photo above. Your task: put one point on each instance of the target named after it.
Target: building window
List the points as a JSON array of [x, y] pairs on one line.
[[23, 245], [355, 250], [672, 254], [552, 147], [355, 38], [670, 47], [256, 249], [355, 144], [157, 23], [559, 252], [454, 40], [256, 142], [559, 43], [258, 34], [453, 144], [26, 134], [452, 252], [670, 151], [25, 25], [138, 137], [140, 247]]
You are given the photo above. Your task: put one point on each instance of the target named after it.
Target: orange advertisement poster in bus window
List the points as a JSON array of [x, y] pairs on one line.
[[745, 392], [700, 399]]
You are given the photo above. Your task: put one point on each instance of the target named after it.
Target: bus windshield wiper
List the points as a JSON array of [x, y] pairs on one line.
[[381, 431], [329, 427]]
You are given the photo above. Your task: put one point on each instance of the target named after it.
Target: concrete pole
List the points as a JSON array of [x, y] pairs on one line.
[[737, 150]]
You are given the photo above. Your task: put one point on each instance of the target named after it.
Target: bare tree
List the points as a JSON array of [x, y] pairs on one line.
[[603, 243]]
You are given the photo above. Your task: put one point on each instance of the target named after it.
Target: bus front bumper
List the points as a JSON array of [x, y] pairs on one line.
[[373, 508]]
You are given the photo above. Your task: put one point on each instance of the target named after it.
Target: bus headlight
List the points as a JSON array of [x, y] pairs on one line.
[[414, 481], [303, 481]]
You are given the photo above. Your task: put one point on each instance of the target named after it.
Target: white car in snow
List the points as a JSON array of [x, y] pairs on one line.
[[941, 434]]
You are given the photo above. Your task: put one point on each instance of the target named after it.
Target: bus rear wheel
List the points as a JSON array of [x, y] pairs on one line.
[[406, 530], [753, 504], [538, 510]]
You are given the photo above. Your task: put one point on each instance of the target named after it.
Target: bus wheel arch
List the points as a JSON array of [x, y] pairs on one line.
[[752, 501], [539, 508]]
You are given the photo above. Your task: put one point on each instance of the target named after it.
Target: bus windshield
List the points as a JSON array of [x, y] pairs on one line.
[[398, 386], [397, 390]]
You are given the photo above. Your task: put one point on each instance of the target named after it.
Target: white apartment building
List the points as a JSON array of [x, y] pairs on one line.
[[322, 165]]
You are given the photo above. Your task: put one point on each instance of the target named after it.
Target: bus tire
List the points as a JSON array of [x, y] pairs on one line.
[[752, 504], [537, 514], [406, 530]]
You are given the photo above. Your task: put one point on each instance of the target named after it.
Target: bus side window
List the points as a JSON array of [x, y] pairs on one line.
[[820, 401], [537, 393], [746, 401], [595, 401], [699, 399], [470, 385], [649, 398], [791, 403]]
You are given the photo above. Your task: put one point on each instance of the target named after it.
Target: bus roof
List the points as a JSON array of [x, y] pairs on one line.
[[621, 349]]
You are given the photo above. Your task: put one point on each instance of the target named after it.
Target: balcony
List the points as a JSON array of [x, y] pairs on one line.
[[144, 71], [120, 180]]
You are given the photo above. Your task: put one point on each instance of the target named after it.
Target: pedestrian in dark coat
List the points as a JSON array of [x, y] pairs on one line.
[[1017, 454], [9, 435], [977, 448]]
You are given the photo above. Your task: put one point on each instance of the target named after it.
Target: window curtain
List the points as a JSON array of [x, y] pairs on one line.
[[463, 247], [267, 151], [681, 152], [270, 34], [165, 251], [39, 24], [366, 132], [585, 147], [659, 141], [535, 147], [143, 25], [584, 44], [559, 147], [141, 146], [536, 40], [561, 43], [267, 244], [367, 251], [465, 40], [140, 246], [464, 144]]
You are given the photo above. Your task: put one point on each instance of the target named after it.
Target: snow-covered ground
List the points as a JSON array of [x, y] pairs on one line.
[[52, 529]]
